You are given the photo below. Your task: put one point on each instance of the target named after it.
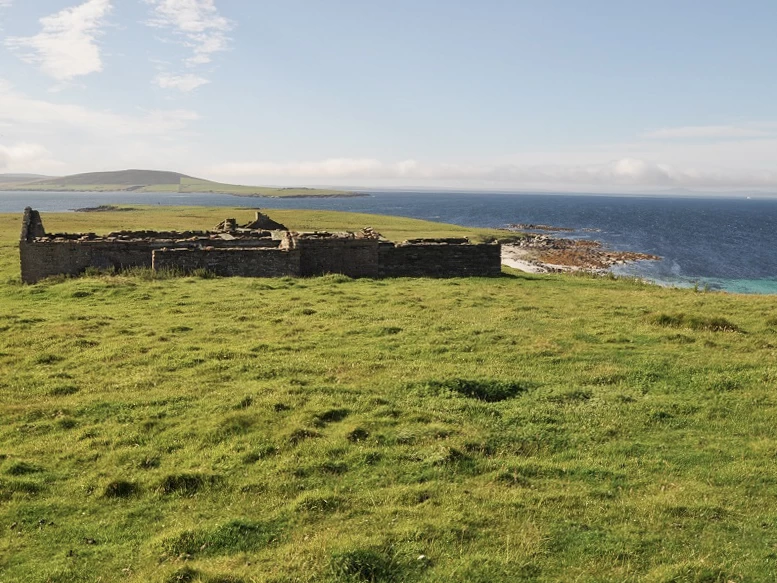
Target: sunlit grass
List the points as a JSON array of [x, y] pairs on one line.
[[522, 428]]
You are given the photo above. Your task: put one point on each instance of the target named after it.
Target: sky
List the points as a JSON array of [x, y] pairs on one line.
[[595, 96]]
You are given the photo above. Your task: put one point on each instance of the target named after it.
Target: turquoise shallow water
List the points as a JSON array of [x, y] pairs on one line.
[[717, 243], [746, 286], [765, 286]]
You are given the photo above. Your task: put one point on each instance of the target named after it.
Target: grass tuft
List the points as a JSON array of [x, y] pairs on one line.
[[700, 323], [64, 390], [150, 462], [365, 565], [185, 484], [245, 402], [321, 504], [48, 359], [236, 536], [299, 435], [482, 390], [204, 274], [330, 416], [121, 489], [183, 575], [358, 434], [23, 469]]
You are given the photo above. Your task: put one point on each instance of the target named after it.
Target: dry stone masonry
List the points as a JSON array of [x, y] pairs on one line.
[[262, 248]]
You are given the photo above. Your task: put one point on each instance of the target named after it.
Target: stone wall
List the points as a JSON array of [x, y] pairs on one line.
[[326, 253], [32, 225], [439, 259], [230, 262], [40, 260], [251, 253]]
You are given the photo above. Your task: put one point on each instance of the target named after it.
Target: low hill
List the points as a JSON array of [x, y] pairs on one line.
[[21, 178], [158, 181], [121, 177]]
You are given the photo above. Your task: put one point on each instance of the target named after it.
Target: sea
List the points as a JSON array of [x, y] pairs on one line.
[[722, 243]]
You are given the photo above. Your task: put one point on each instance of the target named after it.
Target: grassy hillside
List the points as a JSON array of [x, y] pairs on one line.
[[523, 428], [157, 181], [6, 179], [119, 178]]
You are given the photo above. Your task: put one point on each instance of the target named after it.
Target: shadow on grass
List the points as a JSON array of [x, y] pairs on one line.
[[489, 391]]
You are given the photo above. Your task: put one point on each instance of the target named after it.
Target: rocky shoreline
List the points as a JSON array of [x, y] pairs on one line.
[[104, 208], [541, 253]]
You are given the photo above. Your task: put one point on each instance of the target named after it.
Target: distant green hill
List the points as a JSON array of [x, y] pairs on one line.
[[121, 177], [17, 178], [156, 181]]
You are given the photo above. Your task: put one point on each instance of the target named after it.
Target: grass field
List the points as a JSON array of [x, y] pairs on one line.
[[522, 428]]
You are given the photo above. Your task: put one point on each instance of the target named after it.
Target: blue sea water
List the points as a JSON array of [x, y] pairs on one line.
[[721, 243]]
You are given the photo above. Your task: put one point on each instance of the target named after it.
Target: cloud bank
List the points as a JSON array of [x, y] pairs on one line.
[[46, 136], [19, 111], [66, 47], [628, 173], [755, 130], [23, 155]]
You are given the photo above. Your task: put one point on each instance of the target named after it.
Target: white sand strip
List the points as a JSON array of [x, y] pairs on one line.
[[513, 256]]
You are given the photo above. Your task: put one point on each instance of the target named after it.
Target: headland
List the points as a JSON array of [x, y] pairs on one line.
[[156, 181]]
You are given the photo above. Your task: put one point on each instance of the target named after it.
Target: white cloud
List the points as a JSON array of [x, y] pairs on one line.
[[82, 139], [11, 155], [4, 4], [187, 82], [66, 47], [719, 132], [626, 173], [197, 25], [18, 110], [333, 168]]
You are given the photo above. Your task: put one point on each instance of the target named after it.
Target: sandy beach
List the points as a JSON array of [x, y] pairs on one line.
[[518, 258]]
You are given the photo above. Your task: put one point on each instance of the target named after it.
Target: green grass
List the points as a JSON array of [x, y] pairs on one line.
[[522, 428]]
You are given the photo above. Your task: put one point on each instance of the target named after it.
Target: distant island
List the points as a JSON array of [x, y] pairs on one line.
[[152, 181]]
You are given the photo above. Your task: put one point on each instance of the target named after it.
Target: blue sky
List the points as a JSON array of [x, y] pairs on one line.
[[563, 95]]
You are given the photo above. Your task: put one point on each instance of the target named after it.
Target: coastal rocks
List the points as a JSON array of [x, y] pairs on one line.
[[545, 254], [104, 208], [533, 227]]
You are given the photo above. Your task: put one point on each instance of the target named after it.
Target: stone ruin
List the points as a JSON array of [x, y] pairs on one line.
[[262, 248]]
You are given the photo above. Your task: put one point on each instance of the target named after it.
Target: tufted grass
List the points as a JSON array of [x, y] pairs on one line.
[[522, 428]]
